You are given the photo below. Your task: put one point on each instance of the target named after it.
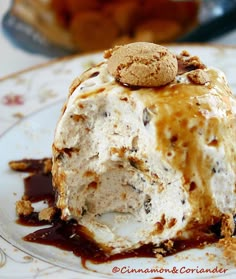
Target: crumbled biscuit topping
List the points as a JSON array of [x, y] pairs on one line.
[[24, 207], [198, 76], [47, 213], [227, 225]]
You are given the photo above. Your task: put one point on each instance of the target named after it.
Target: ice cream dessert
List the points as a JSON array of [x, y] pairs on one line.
[[144, 151]]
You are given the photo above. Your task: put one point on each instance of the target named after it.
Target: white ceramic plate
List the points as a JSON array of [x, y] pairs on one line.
[[30, 104]]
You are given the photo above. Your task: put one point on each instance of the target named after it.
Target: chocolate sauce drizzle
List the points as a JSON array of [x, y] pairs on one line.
[[70, 236]]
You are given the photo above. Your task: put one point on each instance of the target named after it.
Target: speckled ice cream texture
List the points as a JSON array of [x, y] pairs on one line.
[[143, 165]]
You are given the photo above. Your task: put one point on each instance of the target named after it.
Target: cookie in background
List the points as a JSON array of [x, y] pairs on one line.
[[81, 26]]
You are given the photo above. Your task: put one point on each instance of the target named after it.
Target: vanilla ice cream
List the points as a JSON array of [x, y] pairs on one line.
[[145, 164]]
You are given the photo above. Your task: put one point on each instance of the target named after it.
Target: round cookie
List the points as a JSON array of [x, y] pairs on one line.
[[142, 64]]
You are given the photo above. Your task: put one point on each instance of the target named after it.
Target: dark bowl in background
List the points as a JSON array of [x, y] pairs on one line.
[[214, 18]]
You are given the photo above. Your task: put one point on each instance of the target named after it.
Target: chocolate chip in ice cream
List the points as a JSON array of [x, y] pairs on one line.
[[142, 64]]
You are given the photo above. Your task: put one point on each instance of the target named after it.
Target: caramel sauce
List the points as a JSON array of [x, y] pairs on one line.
[[183, 117], [70, 236]]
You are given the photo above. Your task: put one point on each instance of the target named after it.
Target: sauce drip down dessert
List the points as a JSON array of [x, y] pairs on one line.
[[144, 141], [69, 235]]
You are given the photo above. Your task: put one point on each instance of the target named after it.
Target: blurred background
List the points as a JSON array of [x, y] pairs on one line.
[[45, 29]]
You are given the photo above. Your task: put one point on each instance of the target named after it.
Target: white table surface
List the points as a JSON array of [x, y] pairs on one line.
[[13, 59]]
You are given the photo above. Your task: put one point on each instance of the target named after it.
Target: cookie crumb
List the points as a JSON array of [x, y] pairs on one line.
[[169, 245], [198, 77], [27, 258], [24, 207], [18, 115], [47, 213], [187, 63], [227, 225], [159, 257], [185, 53]]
